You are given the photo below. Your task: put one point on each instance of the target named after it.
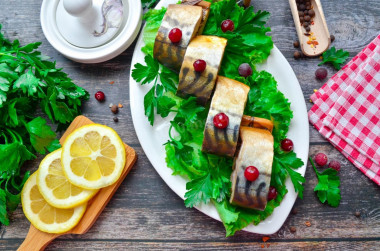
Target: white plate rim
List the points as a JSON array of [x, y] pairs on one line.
[[280, 68]]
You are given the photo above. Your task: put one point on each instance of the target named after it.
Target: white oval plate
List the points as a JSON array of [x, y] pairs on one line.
[[153, 138]]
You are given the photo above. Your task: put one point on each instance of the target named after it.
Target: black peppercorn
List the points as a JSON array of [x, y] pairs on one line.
[[332, 38], [297, 55], [296, 44]]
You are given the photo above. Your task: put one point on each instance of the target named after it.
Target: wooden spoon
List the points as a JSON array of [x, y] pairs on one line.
[[319, 30], [38, 240]]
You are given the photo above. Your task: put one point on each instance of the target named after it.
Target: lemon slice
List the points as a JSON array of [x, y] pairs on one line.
[[93, 156], [44, 216], [56, 188]]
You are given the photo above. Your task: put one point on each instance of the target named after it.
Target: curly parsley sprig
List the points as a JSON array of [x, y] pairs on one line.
[[328, 186], [335, 57]]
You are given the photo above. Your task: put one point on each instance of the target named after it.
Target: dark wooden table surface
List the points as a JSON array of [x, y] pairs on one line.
[[145, 213]]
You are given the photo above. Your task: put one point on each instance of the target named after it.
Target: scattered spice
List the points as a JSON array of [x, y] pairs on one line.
[[296, 44], [312, 40], [307, 223], [110, 105], [293, 229], [357, 214], [265, 238], [114, 109], [294, 211], [116, 119], [120, 105], [297, 55], [305, 13], [315, 90], [112, 82], [332, 37]]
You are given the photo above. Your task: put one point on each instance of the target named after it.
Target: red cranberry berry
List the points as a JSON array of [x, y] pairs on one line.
[[227, 25], [287, 145], [245, 70], [199, 65], [251, 173], [320, 159], [272, 194], [100, 96], [321, 73], [221, 120], [334, 165], [175, 35]]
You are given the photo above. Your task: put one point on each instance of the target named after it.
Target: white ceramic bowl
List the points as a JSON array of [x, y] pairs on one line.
[[127, 34]]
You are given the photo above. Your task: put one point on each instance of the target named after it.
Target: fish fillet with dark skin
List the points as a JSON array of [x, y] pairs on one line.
[[201, 84], [187, 18], [205, 11], [230, 98], [256, 150]]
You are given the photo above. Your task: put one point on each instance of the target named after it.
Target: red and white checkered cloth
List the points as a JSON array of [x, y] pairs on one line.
[[346, 110]]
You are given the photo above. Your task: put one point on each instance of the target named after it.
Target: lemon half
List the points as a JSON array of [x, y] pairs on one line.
[[56, 188], [44, 216], [93, 156]]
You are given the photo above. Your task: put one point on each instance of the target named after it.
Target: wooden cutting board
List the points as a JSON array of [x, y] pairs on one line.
[[38, 240]]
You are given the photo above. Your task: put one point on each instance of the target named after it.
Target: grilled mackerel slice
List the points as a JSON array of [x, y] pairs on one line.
[[201, 84], [205, 11], [256, 150], [230, 97], [185, 17]]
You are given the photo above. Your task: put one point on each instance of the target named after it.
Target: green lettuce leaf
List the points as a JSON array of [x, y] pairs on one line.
[[153, 19], [248, 43]]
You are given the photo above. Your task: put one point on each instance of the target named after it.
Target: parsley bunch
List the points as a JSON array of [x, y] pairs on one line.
[[29, 83], [209, 175]]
